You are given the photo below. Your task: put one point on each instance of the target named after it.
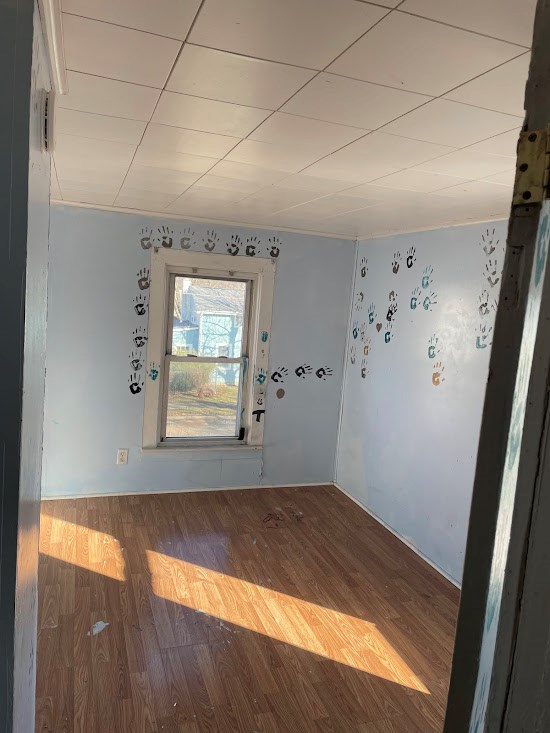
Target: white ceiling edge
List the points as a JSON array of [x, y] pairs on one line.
[[468, 222], [251, 225], [181, 217]]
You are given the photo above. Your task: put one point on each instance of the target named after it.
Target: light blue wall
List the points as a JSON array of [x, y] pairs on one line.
[[90, 413], [407, 447]]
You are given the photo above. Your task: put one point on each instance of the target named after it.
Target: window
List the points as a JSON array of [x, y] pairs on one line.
[[207, 349]]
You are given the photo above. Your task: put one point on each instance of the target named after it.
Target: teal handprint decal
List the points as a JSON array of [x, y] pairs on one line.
[[371, 313], [427, 277], [429, 301], [414, 298], [261, 376], [388, 335], [153, 371], [484, 332], [355, 329], [433, 348]]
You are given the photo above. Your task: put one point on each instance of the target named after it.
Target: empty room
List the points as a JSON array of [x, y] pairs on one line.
[[274, 332]]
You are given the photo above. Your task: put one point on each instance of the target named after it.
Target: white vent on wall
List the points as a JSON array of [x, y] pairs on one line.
[[48, 122]]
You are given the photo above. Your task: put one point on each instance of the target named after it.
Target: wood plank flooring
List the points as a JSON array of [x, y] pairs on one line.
[[257, 611]]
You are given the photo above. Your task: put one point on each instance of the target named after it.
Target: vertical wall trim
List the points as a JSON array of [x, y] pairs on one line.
[[345, 366]]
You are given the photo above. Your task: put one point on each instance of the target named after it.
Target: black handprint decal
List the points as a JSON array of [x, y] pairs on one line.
[[303, 371], [279, 374], [396, 262], [139, 337], [364, 369], [166, 235], [488, 242], [363, 267], [252, 246], [144, 280], [491, 269], [210, 240], [186, 236], [234, 246], [140, 305], [135, 384], [352, 354], [392, 310], [411, 257], [363, 331], [136, 361], [146, 238], [359, 300], [274, 248], [324, 372], [483, 301]]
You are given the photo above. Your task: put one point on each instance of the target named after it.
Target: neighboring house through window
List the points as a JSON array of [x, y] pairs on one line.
[[208, 320]]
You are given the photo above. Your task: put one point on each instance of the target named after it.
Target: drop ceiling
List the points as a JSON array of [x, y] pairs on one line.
[[339, 117]]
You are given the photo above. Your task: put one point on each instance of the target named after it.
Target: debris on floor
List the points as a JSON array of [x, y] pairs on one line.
[[98, 627]]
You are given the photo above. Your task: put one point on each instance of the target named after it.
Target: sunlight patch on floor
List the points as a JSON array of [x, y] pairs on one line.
[[337, 636]]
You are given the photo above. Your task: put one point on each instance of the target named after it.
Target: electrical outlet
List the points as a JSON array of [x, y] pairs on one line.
[[122, 456]]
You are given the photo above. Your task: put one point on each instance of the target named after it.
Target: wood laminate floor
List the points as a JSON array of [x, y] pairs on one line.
[[258, 611]]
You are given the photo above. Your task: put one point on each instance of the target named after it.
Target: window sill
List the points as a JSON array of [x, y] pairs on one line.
[[204, 452]]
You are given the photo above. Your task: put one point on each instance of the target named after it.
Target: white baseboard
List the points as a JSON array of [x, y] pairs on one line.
[[399, 537], [191, 490]]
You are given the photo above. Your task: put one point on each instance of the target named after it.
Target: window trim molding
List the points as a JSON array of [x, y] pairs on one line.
[[261, 271]]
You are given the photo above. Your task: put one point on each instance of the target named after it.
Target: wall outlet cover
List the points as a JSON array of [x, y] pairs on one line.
[[122, 456]]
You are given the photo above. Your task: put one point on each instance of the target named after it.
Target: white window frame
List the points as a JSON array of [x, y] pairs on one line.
[[260, 273]]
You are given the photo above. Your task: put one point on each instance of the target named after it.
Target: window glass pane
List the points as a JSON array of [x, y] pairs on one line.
[[208, 317], [203, 400]]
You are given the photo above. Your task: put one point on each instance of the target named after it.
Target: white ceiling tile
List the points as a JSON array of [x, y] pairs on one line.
[[374, 156], [87, 160], [306, 133], [505, 144], [331, 206], [419, 55], [510, 20], [244, 172], [170, 18], [161, 180], [136, 198], [207, 115], [414, 179], [502, 89], [99, 127], [289, 159], [395, 197], [174, 161], [506, 178], [222, 183], [276, 199], [312, 183], [178, 140], [351, 102], [215, 194], [89, 93], [80, 196], [206, 72], [117, 53], [451, 123], [468, 164], [191, 205], [479, 192], [308, 33]]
